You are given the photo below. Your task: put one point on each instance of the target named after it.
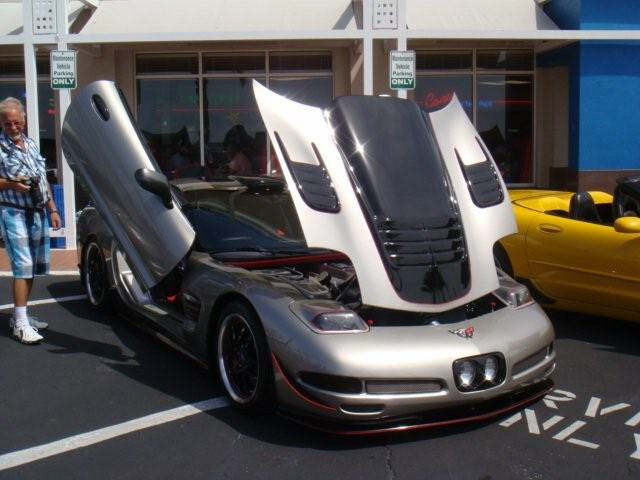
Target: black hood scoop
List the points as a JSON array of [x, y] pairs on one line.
[[405, 194]]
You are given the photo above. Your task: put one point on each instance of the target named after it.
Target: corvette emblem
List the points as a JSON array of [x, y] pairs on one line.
[[464, 332]]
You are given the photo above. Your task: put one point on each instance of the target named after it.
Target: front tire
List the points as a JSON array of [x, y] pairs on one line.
[[244, 360]]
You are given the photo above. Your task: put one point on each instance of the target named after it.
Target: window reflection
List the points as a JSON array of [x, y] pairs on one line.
[[434, 92], [504, 120], [168, 118], [235, 137], [316, 91]]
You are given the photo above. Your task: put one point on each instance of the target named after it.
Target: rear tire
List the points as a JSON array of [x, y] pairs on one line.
[[501, 259], [244, 360], [95, 278]]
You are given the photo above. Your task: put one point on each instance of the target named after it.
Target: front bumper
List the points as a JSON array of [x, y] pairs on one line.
[[432, 419], [524, 337]]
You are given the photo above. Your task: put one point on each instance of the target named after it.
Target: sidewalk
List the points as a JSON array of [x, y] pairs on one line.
[[61, 260]]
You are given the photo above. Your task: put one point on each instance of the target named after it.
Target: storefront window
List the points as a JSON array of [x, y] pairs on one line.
[[435, 91], [168, 118], [316, 91], [300, 62], [504, 120], [505, 60], [252, 63], [167, 64], [235, 137], [500, 104], [444, 61]]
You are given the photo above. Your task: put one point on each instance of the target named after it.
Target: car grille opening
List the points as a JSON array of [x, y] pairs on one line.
[[533, 360], [402, 387], [383, 317], [331, 383], [482, 180]]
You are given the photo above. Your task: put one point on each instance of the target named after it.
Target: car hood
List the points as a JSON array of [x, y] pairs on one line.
[[413, 199]]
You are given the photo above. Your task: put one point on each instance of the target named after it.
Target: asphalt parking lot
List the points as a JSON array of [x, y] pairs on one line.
[[100, 398]]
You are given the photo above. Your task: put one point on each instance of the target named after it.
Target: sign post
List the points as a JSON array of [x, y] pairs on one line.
[[63, 69], [402, 70]]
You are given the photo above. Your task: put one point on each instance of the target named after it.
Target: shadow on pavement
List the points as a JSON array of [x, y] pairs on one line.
[[120, 346], [605, 334], [65, 288], [277, 430]]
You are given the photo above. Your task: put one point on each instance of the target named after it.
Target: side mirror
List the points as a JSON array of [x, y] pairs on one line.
[[627, 225], [156, 183]]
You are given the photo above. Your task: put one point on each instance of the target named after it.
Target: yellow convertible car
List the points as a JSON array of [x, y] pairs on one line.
[[578, 251]]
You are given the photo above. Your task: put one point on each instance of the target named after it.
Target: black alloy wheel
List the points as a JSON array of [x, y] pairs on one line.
[[94, 276], [243, 359]]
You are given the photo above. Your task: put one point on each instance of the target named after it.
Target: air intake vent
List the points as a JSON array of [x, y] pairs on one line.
[[428, 259], [191, 306], [483, 182], [437, 240], [313, 181], [331, 383], [402, 387], [532, 360]]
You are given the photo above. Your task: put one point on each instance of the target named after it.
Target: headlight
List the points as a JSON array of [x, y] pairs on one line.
[[480, 372], [466, 372], [512, 293], [328, 317], [490, 369]]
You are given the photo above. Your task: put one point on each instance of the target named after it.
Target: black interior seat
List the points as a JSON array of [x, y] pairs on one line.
[[582, 207], [626, 198]]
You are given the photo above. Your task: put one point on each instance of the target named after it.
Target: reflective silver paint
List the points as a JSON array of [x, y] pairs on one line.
[[383, 353], [104, 155]]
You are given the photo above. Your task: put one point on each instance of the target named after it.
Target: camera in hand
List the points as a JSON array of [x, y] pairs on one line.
[[37, 199]]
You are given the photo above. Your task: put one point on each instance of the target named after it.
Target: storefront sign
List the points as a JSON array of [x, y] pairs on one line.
[[402, 70], [63, 69]]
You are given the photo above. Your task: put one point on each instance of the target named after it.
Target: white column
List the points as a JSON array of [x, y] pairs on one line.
[[402, 34], [30, 73], [65, 174], [367, 44]]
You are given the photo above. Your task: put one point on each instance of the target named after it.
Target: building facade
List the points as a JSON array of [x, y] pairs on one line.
[[549, 88]]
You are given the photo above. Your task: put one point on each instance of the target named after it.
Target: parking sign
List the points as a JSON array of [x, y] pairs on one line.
[[402, 70], [63, 69]]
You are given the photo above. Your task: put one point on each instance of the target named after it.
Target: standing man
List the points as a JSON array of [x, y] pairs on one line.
[[25, 198]]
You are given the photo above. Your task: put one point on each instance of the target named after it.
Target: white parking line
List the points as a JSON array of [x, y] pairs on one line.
[[5, 273], [44, 301], [592, 408], [28, 455]]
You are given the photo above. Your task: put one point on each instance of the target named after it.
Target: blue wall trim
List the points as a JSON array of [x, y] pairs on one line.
[[609, 15], [594, 14], [609, 136]]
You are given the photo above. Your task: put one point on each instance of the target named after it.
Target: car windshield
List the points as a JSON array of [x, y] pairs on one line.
[[235, 217]]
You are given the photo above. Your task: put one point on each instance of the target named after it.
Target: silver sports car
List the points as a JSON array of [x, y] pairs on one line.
[[356, 294]]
